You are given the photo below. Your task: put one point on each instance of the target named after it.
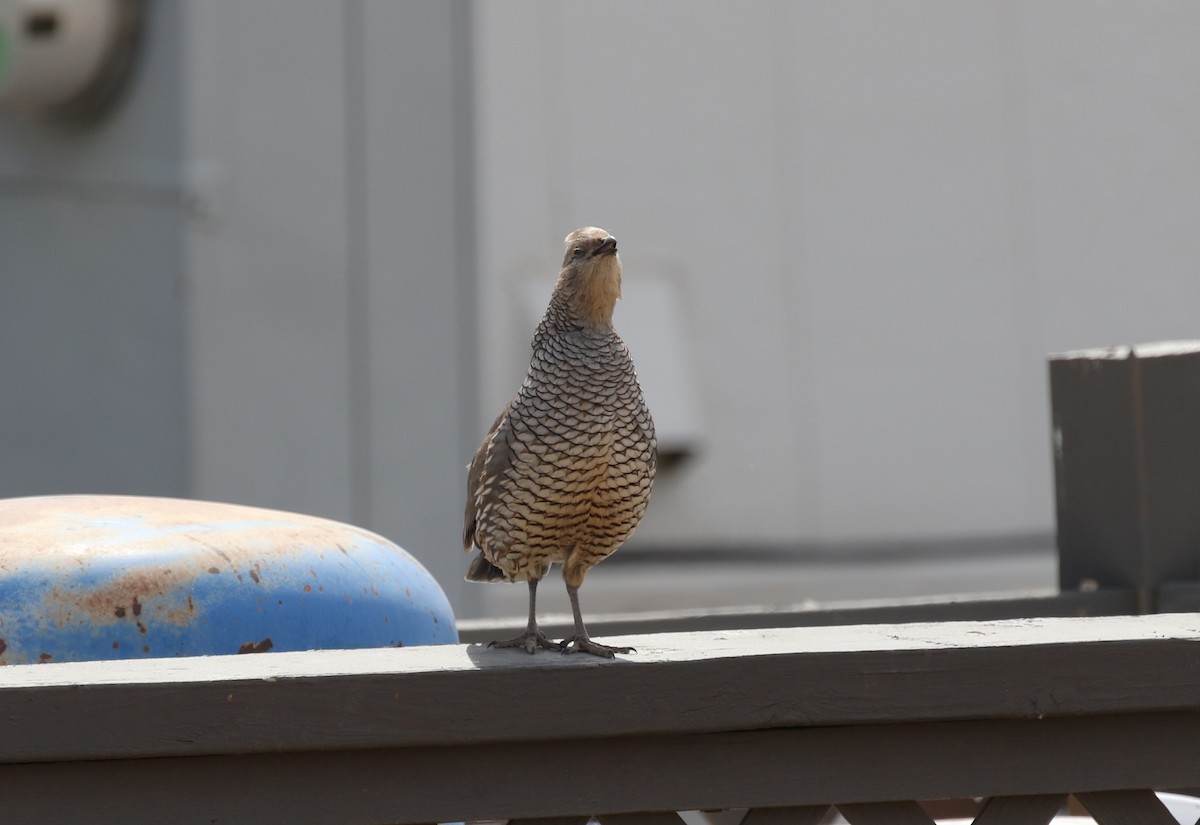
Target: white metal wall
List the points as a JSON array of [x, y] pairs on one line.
[[876, 219], [880, 218]]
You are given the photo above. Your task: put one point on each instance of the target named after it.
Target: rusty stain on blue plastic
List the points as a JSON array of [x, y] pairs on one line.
[[102, 577]]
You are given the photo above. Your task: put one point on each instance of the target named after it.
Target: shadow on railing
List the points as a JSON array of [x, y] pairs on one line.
[[983, 607]]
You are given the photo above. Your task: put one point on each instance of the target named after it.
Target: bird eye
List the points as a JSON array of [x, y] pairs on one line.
[[578, 252]]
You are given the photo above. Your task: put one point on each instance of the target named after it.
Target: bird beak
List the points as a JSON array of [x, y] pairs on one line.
[[607, 246]]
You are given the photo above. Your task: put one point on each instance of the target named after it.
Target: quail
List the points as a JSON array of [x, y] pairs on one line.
[[564, 474]]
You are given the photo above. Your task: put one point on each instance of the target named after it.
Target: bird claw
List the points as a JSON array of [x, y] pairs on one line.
[[529, 640], [576, 644]]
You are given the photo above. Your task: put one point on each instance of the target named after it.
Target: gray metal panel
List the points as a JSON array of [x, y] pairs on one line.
[[415, 293], [330, 263], [91, 347], [266, 254]]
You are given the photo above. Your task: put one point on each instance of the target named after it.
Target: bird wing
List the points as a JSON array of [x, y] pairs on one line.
[[492, 457]]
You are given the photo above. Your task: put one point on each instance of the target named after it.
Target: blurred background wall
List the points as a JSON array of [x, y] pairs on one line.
[[300, 263]]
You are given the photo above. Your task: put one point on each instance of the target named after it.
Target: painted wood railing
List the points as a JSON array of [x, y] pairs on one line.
[[782, 723], [774, 723]]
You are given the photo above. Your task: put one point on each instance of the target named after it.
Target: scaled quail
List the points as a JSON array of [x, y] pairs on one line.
[[565, 472]]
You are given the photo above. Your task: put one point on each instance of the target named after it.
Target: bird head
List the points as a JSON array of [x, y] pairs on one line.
[[591, 274]]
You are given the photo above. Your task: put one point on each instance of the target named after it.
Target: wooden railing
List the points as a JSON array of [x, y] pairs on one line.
[[783, 723], [876, 711]]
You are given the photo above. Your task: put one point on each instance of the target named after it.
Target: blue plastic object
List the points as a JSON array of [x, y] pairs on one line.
[[107, 577]]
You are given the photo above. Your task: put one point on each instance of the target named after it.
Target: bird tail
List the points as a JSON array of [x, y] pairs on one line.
[[482, 570]]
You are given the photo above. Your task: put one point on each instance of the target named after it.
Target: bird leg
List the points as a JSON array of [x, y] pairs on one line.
[[532, 638], [581, 642]]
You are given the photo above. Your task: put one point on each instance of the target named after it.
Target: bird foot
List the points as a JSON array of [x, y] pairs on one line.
[[530, 640], [578, 644]]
